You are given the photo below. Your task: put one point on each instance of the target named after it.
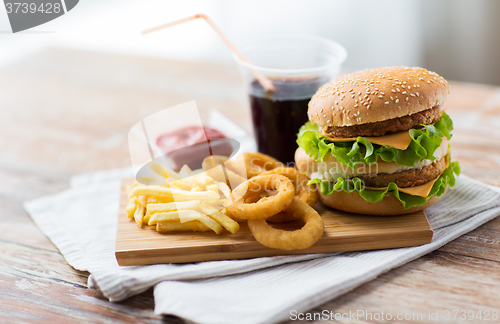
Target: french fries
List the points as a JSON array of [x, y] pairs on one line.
[[177, 194], [212, 224], [190, 200], [139, 215], [177, 226], [161, 208], [158, 200], [217, 215], [180, 215], [131, 207]]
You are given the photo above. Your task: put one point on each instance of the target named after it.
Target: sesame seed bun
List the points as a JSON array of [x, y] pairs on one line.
[[376, 95], [354, 203]]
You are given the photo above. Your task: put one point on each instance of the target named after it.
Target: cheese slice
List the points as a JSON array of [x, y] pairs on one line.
[[400, 140], [421, 191]]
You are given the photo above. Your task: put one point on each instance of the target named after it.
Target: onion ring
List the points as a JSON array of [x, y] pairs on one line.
[[280, 217], [253, 164], [299, 239], [306, 193], [265, 207]]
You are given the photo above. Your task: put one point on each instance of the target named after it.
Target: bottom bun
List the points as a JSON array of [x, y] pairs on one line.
[[354, 203]]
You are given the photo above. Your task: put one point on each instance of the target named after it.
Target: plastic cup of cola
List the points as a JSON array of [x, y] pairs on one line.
[[297, 65]]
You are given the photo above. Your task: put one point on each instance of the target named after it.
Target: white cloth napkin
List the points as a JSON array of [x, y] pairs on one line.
[[81, 222]]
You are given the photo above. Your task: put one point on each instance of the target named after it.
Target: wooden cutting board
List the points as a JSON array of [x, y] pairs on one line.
[[343, 232]]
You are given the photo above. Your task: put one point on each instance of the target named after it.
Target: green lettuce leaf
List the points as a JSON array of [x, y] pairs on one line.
[[447, 178], [423, 145]]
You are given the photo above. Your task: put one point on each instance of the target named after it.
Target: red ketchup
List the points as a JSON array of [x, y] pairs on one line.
[[190, 145]]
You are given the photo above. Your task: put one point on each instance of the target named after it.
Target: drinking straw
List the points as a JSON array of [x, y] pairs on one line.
[[265, 82]]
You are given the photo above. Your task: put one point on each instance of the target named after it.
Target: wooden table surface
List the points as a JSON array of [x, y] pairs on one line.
[[65, 112]]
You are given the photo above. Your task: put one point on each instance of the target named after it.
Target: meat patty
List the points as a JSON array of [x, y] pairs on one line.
[[426, 117], [408, 178]]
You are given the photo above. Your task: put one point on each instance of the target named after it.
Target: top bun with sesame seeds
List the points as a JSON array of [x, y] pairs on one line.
[[378, 95]]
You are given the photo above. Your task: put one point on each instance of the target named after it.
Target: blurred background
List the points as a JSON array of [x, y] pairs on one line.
[[457, 38]]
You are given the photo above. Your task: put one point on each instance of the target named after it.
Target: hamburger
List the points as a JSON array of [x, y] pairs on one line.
[[377, 141]]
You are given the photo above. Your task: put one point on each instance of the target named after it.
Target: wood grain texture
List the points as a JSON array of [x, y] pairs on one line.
[[343, 232], [435, 283], [65, 112]]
